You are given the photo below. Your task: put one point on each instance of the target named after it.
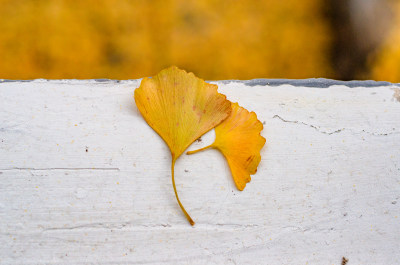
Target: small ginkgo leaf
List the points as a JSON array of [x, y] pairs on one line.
[[239, 140], [180, 107]]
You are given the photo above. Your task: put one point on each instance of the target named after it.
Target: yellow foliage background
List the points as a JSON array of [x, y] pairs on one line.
[[132, 39]]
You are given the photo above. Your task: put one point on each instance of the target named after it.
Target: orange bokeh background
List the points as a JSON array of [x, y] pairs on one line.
[[215, 39]]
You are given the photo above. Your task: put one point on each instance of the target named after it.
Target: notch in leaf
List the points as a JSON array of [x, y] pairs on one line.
[[239, 140], [180, 107]]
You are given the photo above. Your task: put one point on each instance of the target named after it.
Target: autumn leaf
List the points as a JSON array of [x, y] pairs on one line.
[[239, 140], [180, 107]]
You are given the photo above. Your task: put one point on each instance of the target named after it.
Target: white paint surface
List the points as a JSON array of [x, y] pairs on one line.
[[328, 184]]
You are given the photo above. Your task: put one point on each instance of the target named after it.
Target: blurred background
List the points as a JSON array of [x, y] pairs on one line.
[[340, 39]]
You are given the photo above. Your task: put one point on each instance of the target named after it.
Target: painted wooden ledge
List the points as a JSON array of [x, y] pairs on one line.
[[84, 180]]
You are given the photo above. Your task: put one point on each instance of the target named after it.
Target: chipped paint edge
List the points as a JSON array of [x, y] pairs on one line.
[[310, 82]]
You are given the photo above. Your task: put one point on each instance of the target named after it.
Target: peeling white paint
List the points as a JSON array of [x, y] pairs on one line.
[[84, 180]]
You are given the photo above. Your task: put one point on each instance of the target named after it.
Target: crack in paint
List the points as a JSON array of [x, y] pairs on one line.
[[60, 168], [309, 125], [318, 129]]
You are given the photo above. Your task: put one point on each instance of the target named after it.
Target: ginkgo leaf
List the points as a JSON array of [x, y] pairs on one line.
[[239, 140], [180, 107]]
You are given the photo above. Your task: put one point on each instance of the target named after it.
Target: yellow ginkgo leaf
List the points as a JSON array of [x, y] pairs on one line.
[[239, 140], [180, 107]]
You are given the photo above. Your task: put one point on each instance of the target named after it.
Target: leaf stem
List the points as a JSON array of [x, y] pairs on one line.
[[176, 193], [198, 150]]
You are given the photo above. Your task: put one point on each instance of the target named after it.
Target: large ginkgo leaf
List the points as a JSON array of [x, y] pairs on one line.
[[180, 107], [239, 140]]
